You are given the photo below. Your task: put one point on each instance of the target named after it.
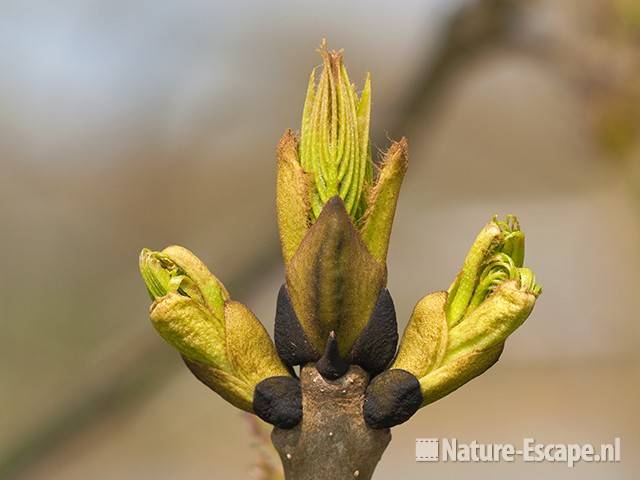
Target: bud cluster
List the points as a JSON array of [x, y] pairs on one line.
[[334, 313]]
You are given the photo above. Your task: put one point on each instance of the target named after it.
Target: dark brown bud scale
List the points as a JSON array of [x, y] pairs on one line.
[[331, 366], [377, 343], [278, 401], [291, 342], [391, 399]]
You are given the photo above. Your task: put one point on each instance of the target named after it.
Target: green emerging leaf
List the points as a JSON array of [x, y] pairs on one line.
[[497, 255], [334, 138], [222, 342]]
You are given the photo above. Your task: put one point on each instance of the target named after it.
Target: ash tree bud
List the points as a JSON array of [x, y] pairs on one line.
[[335, 211], [221, 341], [334, 218], [334, 139], [454, 336]]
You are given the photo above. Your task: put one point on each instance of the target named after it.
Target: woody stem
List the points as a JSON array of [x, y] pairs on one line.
[[332, 442]]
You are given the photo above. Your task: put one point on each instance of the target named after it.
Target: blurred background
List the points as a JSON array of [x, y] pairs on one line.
[[126, 124]]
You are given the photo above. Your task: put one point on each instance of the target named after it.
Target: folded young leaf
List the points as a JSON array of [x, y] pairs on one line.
[[334, 140], [497, 255], [492, 322], [453, 374], [212, 290], [382, 200], [191, 329], [249, 347], [234, 390], [424, 341], [155, 275], [293, 196], [465, 283]]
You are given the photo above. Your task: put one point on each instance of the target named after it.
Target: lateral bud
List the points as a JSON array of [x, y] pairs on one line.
[[331, 365]]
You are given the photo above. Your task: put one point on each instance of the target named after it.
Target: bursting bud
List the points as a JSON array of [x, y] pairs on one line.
[[334, 139], [334, 218], [335, 211], [332, 159], [221, 341], [496, 255], [454, 336]]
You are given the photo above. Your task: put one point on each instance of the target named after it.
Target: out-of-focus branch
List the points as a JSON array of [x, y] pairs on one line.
[[266, 466], [596, 51], [470, 32]]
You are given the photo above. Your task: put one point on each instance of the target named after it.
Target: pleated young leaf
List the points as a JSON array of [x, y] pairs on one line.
[[461, 291], [334, 139], [212, 290], [497, 251]]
